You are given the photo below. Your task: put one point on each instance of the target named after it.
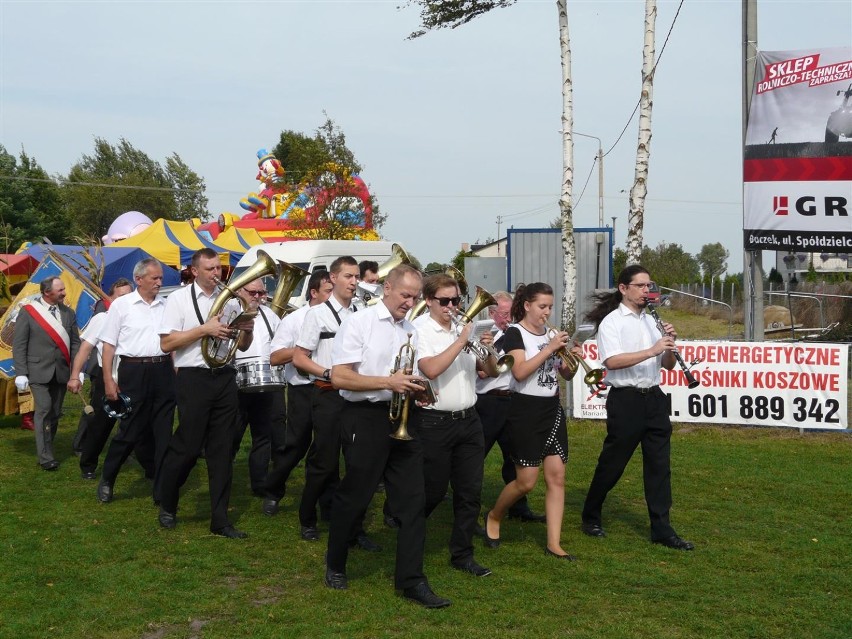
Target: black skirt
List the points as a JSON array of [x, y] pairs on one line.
[[536, 428]]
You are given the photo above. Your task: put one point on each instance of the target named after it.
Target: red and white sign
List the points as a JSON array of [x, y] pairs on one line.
[[797, 172], [754, 383]]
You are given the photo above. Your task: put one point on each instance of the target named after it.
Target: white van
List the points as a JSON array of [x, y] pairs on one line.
[[313, 255]]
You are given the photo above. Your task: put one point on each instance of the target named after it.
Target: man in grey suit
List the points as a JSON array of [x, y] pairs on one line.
[[45, 343]]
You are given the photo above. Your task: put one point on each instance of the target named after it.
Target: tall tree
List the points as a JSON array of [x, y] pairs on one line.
[[670, 265], [713, 259], [120, 178], [310, 162], [636, 216], [30, 204], [438, 14]]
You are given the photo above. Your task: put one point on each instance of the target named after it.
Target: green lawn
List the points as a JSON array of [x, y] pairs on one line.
[[768, 510]]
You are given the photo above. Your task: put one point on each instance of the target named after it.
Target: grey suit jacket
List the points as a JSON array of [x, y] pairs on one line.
[[36, 355]]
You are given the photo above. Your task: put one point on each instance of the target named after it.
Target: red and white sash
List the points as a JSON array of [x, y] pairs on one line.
[[52, 326]]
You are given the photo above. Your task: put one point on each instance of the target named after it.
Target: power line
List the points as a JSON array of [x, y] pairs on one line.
[[588, 177]]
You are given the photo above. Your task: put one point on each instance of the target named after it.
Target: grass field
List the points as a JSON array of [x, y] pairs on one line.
[[768, 510]]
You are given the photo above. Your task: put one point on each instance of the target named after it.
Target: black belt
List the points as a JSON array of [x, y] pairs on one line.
[[146, 360], [368, 404], [210, 371], [637, 389], [498, 392], [451, 414]]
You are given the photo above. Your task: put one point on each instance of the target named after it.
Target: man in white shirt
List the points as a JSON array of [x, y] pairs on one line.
[[145, 375], [95, 426], [633, 350], [206, 397], [297, 438], [363, 357], [313, 356], [450, 430], [257, 406]]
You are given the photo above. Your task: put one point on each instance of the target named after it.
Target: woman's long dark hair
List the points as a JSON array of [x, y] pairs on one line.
[[527, 293], [608, 301]]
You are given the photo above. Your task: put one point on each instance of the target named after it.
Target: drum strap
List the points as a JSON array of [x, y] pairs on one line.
[[266, 321], [331, 334]]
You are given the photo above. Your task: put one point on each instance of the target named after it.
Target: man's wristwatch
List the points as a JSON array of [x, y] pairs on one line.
[[326, 374]]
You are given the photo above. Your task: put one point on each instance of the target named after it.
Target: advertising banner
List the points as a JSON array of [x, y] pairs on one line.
[[747, 383], [797, 171]]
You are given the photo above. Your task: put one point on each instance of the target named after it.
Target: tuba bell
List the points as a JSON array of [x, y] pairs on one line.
[[289, 276], [210, 347], [398, 256], [482, 300]]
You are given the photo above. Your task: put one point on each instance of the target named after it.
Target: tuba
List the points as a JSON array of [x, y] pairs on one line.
[[210, 347], [289, 276], [369, 294], [482, 300]]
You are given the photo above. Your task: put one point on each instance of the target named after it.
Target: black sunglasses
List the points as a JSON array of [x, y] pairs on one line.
[[445, 301]]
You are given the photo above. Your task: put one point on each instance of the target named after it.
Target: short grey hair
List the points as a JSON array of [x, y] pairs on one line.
[[142, 266]]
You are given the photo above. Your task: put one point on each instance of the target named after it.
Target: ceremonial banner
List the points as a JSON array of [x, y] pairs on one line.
[[801, 385], [797, 170]]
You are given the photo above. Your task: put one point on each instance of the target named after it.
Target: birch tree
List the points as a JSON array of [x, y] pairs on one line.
[[438, 14], [636, 216]]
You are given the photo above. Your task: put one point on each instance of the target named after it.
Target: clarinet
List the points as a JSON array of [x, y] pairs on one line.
[[690, 378]]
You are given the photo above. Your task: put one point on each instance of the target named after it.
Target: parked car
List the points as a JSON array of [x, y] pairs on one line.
[[654, 293]]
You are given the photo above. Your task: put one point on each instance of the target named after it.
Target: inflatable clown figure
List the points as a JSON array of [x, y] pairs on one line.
[[270, 174]]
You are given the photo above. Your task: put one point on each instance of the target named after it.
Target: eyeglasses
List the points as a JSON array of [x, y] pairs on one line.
[[648, 285], [255, 293], [445, 301]]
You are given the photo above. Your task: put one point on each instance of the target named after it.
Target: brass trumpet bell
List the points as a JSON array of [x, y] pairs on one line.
[[289, 276], [398, 256], [482, 300]]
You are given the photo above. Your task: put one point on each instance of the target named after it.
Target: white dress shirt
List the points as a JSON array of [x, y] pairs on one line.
[[132, 325], [371, 340], [260, 347], [285, 337], [455, 386], [92, 334], [623, 331], [319, 320]]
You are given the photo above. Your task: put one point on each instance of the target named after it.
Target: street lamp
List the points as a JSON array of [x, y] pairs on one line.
[[600, 179]]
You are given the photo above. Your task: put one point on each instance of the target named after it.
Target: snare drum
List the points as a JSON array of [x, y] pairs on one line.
[[257, 377]]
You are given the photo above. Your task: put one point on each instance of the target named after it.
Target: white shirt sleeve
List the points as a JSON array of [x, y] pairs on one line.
[[309, 335]]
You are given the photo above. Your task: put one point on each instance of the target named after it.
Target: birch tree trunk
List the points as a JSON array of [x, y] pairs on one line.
[[569, 256], [636, 217]]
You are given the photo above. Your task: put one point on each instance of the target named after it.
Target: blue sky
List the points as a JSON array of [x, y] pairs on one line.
[[453, 129]]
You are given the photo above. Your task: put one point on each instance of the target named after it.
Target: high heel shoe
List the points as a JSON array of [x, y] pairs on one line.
[[566, 556], [491, 542]]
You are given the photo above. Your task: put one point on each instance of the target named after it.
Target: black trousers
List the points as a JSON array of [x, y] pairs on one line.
[[98, 427], [635, 418], [256, 412], [453, 454], [492, 411], [370, 455], [151, 389], [297, 440], [322, 465], [207, 411]]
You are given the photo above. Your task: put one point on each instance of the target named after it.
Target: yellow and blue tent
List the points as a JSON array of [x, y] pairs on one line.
[[173, 243]]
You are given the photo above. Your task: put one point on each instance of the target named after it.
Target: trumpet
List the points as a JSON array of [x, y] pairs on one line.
[[691, 381], [592, 377], [401, 402], [481, 300]]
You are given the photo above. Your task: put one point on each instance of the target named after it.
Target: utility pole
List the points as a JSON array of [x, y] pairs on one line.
[[600, 178], [499, 222], [614, 218]]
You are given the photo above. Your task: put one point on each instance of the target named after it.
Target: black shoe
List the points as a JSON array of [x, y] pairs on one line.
[[473, 568], [592, 530], [566, 556], [167, 519], [365, 543], [270, 507], [675, 542], [391, 522], [88, 474], [489, 541], [50, 466], [104, 492], [422, 594], [230, 532], [528, 516], [310, 533], [335, 580]]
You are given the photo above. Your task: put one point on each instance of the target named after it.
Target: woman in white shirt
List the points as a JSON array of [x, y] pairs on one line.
[[536, 420]]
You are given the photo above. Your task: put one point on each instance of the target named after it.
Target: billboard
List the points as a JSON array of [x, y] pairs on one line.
[[797, 169]]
